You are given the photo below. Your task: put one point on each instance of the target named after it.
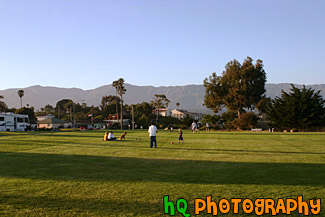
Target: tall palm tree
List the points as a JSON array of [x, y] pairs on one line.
[[160, 101], [121, 91], [115, 84], [177, 105], [21, 94]]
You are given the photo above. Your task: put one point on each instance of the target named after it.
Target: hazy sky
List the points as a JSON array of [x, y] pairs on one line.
[[89, 43]]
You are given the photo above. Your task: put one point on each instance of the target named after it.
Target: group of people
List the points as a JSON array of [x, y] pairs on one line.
[[110, 136], [195, 127], [153, 131], [152, 134]]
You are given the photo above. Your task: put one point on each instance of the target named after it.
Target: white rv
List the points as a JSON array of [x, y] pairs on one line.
[[13, 122]]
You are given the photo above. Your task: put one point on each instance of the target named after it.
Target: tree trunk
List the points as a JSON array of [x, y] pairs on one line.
[[239, 115], [21, 102], [121, 113], [116, 102], [157, 114]]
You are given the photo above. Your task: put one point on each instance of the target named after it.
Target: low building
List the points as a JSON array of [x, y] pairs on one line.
[[162, 112], [51, 123], [43, 117], [182, 113]]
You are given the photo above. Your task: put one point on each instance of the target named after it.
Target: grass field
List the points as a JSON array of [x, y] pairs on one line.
[[77, 174]]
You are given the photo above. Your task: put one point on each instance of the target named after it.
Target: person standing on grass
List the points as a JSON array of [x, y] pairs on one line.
[[194, 127], [207, 126], [152, 133], [180, 136]]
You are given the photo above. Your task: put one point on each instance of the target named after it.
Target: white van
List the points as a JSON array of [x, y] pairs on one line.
[[13, 122]]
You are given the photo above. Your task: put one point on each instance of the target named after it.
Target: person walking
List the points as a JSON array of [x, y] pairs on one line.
[[152, 133]]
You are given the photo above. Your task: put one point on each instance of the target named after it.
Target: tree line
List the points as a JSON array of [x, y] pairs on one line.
[[111, 106], [240, 90]]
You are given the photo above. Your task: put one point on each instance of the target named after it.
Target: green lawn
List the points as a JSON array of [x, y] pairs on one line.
[[78, 174]]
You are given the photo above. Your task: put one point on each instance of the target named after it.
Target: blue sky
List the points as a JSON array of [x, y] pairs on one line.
[[89, 43]]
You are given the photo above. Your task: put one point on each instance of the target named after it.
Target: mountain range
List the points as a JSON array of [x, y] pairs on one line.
[[190, 97]]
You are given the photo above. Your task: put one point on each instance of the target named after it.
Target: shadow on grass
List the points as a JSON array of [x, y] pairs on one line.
[[273, 134], [95, 207], [79, 134], [124, 169], [114, 144]]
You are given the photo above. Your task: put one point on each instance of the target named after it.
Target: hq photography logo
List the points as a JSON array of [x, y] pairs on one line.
[[259, 206]]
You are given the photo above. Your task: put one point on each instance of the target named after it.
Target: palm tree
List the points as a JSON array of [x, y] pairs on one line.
[[160, 101], [121, 91], [177, 105], [21, 94], [115, 84]]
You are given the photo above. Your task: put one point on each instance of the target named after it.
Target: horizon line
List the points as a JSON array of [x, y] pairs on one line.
[[137, 86]]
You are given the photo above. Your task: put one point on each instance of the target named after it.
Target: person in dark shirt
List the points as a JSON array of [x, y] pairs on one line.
[[180, 136]]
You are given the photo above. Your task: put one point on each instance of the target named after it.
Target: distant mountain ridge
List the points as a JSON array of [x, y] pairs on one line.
[[190, 97]]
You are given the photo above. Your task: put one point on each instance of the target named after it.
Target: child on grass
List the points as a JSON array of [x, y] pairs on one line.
[[105, 136], [180, 136]]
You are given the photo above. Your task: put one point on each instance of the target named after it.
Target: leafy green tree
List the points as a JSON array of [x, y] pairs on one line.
[[120, 89], [27, 111], [108, 104], [228, 119], [211, 119], [94, 111], [64, 109], [143, 121], [160, 101], [167, 121], [264, 104], [300, 109], [187, 121], [21, 94], [177, 105], [3, 106], [49, 109], [143, 111], [240, 87], [246, 121]]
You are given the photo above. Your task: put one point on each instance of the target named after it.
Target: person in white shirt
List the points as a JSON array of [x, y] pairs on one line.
[[194, 127], [207, 127], [111, 136], [152, 133]]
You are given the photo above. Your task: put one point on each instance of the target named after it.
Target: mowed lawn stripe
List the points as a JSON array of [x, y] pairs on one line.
[[77, 174]]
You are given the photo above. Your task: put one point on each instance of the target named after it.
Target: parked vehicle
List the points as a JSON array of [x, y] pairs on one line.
[[13, 122], [86, 127]]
